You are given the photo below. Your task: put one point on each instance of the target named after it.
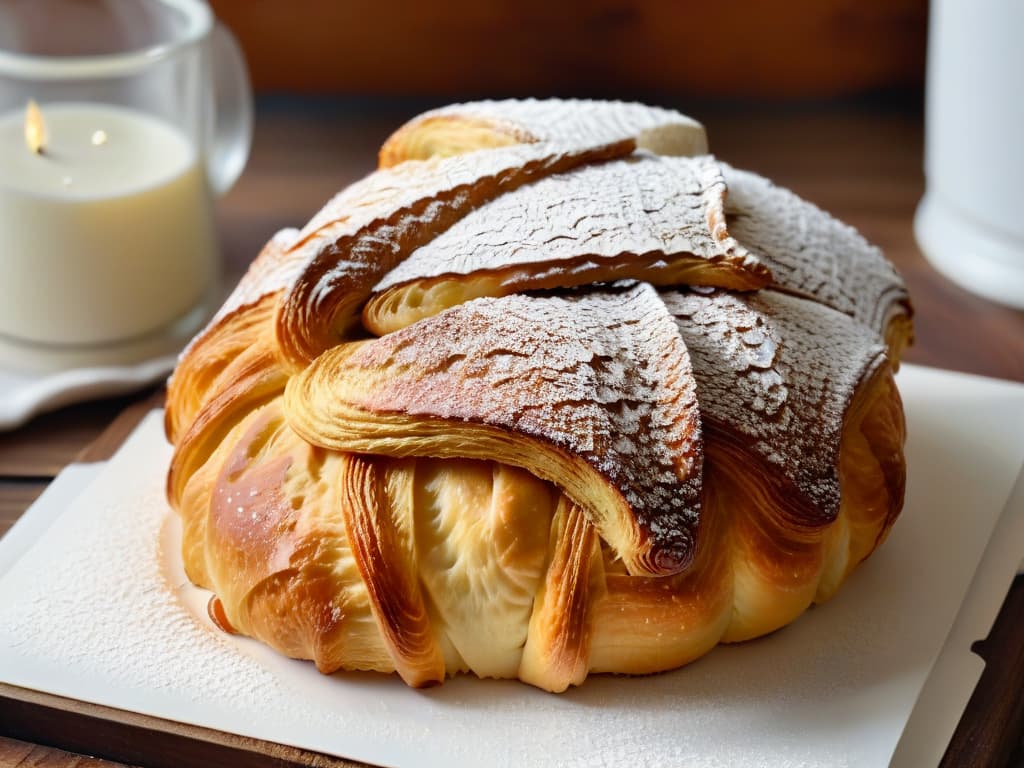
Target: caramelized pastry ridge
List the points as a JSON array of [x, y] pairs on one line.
[[382, 542]]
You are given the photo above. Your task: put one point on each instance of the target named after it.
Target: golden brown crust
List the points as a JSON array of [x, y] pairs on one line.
[[544, 486], [292, 578], [211, 359], [268, 540], [251, 379], [873, 476], [404, 304], [446, 136]]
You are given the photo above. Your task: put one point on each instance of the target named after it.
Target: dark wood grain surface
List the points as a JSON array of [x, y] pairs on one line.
[[862, 164]]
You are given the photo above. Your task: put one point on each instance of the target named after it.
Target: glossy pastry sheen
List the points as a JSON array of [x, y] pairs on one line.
[[552, 392]]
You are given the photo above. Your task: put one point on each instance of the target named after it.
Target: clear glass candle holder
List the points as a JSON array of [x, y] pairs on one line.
[[120, 121]]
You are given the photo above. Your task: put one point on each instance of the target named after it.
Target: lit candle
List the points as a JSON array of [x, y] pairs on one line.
[[106, 228]]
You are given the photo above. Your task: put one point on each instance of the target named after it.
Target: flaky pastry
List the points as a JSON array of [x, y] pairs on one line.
[[551, 392]]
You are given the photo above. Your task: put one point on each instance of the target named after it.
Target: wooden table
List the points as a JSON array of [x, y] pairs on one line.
[[863, 164]]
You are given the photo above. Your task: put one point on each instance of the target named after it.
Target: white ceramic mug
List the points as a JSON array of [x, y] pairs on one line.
[[970, 224], [106, 229]]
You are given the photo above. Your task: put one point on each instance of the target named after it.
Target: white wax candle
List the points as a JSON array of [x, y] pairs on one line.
[[108, 234]]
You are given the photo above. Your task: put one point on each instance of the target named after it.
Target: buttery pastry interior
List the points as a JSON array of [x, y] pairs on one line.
[[551, 392]]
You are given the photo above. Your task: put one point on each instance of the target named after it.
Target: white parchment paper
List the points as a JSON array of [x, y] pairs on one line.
[[93, 608]]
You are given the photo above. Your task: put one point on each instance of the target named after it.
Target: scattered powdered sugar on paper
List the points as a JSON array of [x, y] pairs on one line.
[[117, 620]]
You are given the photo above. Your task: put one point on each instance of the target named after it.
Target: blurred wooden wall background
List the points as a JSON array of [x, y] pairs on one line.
[[764, 49]]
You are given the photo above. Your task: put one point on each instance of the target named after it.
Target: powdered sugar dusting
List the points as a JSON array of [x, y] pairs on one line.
[[602, 375], [133, 597], [374, 224], [812, 254], [386, 190], [780, 371], [268, 273], [638, 206], [371, 226], [574, 122]]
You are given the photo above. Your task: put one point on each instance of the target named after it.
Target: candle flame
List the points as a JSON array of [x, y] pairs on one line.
[[35, 128]]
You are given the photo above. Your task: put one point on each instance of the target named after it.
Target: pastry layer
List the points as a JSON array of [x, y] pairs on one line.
[[659, 219], [592, 392]]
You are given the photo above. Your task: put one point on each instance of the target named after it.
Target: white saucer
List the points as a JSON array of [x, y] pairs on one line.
[[35, 379], [24, 395]]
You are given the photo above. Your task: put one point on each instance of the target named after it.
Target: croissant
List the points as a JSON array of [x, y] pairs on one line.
[[551, 392]]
